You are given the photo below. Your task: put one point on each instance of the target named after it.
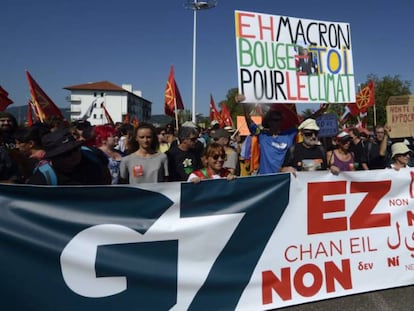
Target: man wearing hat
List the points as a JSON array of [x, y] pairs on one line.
[[308, 155], [69, 163]]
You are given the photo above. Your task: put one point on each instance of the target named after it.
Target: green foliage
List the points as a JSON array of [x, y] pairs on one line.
[[384, 88], [306, 113]]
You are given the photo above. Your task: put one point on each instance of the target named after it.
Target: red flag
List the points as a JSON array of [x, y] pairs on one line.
[[352, 109], [44, 105], [108, 116], [135, 122], [126, 119], [364, 99], [34, 107], [29, 114], [214, 114], [225, 115], [173, 98], [4, 99]]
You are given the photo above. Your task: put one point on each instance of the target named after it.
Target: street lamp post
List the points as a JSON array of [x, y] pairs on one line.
[[196, 6]]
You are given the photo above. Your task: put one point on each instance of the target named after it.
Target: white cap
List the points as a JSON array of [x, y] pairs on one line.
[[189, 124], [399, 148], [309, 124]]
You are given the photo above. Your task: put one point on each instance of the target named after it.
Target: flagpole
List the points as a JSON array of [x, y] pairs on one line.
[[104, 104], [39, 111], [176, 113], [196, 6], [194, 64]]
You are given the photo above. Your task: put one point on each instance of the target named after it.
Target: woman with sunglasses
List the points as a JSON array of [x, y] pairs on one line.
[[214, 158], [341, 158]]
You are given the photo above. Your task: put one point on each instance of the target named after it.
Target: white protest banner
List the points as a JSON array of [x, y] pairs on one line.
[[285, 59], [254, 243]]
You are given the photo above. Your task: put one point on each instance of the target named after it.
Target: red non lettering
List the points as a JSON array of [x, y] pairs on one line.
[[284, 286]]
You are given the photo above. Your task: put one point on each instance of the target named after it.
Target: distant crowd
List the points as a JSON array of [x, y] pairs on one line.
[[58, 153]]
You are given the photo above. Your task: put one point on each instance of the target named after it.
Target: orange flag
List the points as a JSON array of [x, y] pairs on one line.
[[254, 154], [173, 98], [44, 105], [4, 99]]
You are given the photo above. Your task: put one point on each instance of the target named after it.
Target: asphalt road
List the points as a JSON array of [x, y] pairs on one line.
[[396, 299]]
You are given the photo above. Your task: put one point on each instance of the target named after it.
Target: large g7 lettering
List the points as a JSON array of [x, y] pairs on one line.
[[81, 252]]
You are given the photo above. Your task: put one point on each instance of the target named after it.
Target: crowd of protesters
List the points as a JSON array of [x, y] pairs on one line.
[[58, 153]]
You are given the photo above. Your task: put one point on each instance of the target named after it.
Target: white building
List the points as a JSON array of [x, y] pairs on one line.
[[89, 101]]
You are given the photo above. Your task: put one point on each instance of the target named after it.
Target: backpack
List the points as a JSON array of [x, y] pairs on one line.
[[48, 173]]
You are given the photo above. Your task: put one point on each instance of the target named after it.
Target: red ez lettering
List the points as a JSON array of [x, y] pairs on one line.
[[361, 218]]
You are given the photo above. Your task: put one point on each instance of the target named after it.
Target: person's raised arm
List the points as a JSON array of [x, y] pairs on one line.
[[246, 109], [384, 143]]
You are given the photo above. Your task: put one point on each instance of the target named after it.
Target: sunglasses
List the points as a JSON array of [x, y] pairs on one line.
[[310, 133], [217, 156]]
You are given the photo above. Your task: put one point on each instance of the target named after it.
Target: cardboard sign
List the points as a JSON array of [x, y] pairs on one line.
[[400, 116]]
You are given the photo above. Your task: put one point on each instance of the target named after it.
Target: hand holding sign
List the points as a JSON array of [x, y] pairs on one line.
[[239, 98]]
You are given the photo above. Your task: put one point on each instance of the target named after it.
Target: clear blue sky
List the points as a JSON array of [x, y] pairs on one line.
[[68, 42]]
